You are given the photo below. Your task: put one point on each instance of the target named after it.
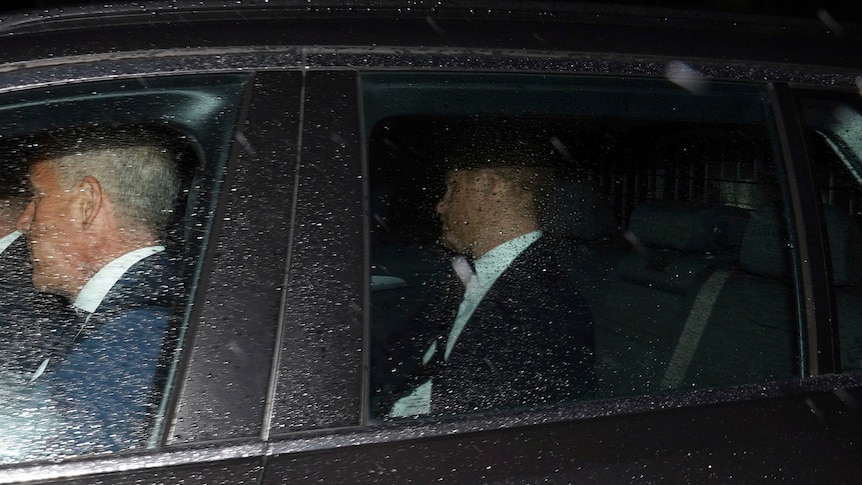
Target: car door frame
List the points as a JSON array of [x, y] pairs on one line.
[[710, 423], [259, 138]]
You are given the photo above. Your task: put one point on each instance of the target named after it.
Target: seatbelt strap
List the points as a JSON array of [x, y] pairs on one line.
[[693, 329]]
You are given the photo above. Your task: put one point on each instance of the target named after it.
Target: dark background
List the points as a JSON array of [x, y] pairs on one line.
[[840, 10]]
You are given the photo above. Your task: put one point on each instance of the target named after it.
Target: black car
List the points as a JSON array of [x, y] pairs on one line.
[[706, 206]]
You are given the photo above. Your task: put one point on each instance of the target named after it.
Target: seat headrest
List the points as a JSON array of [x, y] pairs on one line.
[[579, 211], [701, 229], [845, 246], [764, 250]]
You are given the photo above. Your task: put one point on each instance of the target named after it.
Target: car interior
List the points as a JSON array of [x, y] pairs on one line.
[[671, 211]]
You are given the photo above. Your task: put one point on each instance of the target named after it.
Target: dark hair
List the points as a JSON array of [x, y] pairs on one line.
[[499, 144], [524, 158]]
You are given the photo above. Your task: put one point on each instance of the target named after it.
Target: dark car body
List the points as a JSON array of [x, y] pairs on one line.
[[271, 384]]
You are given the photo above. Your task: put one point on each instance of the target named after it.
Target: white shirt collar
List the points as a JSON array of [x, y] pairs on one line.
[[92, 294], [488, 268], [8, 239], [492, 264]]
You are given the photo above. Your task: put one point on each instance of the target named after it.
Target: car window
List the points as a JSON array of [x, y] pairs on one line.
[[622, 237], [834, 142], [108, 191]]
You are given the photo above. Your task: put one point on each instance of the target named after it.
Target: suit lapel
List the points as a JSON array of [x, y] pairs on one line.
[[509, 286]]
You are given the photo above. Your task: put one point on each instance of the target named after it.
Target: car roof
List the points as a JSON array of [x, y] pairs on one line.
[[547, 26], [638, 11]]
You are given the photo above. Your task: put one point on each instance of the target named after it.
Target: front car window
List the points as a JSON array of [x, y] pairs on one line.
[[628, 237], [107, 203]]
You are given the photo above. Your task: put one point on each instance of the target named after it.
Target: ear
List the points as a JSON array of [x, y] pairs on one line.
[[495, 182], [90, 201]]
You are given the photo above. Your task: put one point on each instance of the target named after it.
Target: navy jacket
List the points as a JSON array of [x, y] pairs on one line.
[[104, 381]]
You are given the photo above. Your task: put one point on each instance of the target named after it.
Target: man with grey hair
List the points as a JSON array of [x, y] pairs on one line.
[[101, 199]]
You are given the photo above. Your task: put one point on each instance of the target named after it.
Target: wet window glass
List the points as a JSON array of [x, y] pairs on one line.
[[539, 240], [834, 142], [106, 194]]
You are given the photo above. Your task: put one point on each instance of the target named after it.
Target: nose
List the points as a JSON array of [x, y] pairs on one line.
[[26, 218]]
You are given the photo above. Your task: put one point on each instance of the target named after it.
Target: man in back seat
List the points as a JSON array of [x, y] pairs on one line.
[[514, 333]]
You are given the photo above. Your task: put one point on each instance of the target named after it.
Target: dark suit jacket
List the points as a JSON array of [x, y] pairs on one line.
[[528, 343], [104, 380]]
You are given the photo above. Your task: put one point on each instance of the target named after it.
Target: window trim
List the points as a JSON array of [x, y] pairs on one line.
[[814, 297]]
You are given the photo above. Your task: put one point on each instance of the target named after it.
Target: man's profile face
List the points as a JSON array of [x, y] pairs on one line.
[[51, 230], [461, 209]]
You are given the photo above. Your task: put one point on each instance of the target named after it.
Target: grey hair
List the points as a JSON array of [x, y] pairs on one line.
[[135, 167]]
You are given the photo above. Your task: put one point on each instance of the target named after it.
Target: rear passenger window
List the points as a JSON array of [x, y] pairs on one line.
[[541, 239], [834, 129], [107, 194]]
